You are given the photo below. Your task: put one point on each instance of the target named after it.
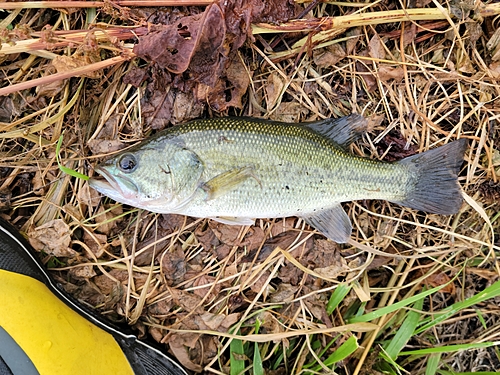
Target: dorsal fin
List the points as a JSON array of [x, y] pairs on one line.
[[343, 131]]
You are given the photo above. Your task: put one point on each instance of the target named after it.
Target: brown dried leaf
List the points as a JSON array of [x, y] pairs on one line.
[[289, 112], [9, 109], [284, 293], [95, 243], [64, 63], [179, 344], [189, 302], [83, 272], [214, 290], [274, 89], [186, 108], [439, 279], [105, 146], [194, 41], [335, 270], [88, 196], [105, 219], [376, 47], [261, 283], [174, 266], [269, 323], [353, 36], [217, 322], [157, 101], [234, 83], [330, 56], [206, 237], [227, 234], [386, 73], [53, 237]]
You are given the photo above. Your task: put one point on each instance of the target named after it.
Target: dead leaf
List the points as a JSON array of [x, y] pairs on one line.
[[386, 73], [105, 146], [157, 101], [330, 56], [225, 233], [219, 322], [189, 302], [179, 344], [261, 283], [135, 76], [274, 89], [229, 89], [284, 293], [207, 280], [376, 47], [106, 218], [88, 196], [64, 63], [206, 237], [186, 108], [174, 266], [353, 36], [9, 109], [333, 271], [289, 112], [83, 272], [194, 41], [440, 279], [96, 243], [53, 238]]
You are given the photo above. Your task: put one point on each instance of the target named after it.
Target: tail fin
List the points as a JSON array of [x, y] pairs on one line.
[[436, 187]]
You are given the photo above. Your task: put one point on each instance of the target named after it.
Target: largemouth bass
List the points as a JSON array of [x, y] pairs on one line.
[[234, 170]]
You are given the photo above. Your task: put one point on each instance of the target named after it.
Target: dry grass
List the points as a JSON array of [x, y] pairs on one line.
[[196, 285]]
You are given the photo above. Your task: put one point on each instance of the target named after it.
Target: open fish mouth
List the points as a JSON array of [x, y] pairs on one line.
[[111, 186]]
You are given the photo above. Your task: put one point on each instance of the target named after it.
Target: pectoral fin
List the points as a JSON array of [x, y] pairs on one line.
[[333, 223], [227, 181], [234, 220]]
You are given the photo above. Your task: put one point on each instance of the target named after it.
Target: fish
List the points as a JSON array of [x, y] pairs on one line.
[[235, 170]]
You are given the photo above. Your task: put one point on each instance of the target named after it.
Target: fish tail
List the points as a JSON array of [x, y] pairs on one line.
[[436, 189]]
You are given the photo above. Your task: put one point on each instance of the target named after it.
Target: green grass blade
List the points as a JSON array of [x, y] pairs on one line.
[[64, 169], [490, 292], [432, 364], [405, 332], [450, 348], [258, 368], [445, 372], [394, 307], [337, 297], [342, 352], [236, 352]]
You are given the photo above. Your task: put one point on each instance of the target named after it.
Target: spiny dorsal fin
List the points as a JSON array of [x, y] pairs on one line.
[[343, 131]]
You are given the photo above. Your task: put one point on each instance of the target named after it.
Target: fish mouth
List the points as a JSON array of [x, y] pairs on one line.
[[112, 186]]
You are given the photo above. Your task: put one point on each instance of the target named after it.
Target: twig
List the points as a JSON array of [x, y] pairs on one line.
[[99, 4], [60, 76]]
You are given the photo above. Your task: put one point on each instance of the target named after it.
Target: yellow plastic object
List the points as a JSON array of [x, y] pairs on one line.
[[55, 338]]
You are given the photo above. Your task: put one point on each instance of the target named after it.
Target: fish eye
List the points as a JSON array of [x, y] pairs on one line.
[[127, 163]]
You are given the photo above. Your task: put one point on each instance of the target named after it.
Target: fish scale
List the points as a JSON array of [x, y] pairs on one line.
[[237, 169], [298, 170]]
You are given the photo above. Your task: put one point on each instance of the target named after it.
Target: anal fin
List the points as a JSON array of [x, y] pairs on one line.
[[333, 223], [234, 220]]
